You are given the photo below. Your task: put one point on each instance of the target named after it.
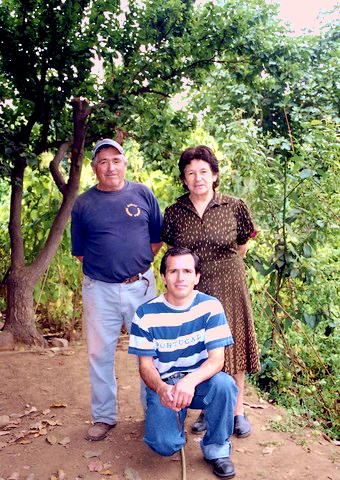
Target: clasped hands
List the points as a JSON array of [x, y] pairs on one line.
[[177, 396]]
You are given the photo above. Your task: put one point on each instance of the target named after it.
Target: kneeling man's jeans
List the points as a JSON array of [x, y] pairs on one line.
[[217, 396]]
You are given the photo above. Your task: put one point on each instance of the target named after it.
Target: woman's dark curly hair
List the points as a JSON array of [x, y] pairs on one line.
[[201, 152]]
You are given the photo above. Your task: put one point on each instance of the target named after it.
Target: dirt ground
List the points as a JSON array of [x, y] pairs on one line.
[[47, 396]]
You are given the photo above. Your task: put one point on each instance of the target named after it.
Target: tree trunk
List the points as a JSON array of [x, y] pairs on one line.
[[20, 311], [21, 280]]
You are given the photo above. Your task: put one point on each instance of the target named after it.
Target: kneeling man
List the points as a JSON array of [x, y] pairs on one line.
[[180, 338]]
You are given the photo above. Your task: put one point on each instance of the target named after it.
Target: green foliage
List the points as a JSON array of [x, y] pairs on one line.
[[274, 117]]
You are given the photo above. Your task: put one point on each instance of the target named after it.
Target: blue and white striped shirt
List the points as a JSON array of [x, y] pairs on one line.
[[179, 339]]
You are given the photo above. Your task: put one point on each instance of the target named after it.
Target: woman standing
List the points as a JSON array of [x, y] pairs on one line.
[[217, 227]]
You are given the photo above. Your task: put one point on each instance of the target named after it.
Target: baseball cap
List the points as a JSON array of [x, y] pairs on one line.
[[107, 142]]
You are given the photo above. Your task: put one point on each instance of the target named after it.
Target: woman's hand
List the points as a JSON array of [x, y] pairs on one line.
[[242, 249]]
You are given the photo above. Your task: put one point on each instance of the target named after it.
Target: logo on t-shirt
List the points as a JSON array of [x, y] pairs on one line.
[[132, 210]]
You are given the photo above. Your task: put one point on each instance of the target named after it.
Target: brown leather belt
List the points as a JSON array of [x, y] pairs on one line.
[[134, 278]]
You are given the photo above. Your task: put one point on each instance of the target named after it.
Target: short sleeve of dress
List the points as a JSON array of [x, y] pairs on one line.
[[168, 230], [245, 225]]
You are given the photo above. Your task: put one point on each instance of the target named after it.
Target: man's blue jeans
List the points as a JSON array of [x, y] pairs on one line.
[[217, 396], [108, 306]]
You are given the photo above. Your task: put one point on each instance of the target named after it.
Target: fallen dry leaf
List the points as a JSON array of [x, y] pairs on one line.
[[106, 472], [36, 426], [20, 436], [131, 474], [61, 474], [14, 476], [67, 353], [326, 437], [30, 410], [25, 441], [276, 418], [255, 405], [4, 420], [51, 439], [17, 415], [50, 422], [58, 405], [48, 353], [268, 450], [95, 465], [13, 424], [55, 349], [64, 441], [90, 454]]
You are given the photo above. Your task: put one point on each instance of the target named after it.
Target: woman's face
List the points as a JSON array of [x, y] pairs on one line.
[[199, 178]]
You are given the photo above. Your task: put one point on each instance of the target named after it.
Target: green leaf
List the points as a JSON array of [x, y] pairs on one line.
[[307, 250], [310, 320], [306, 173]]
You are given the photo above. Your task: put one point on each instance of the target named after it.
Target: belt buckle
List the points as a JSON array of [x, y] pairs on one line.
[[177, 375], [132, 279], [135, 278]]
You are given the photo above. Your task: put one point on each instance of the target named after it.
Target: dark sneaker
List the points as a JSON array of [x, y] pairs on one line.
[[200, 425], [222, 467], [98, 431], [242, 426]]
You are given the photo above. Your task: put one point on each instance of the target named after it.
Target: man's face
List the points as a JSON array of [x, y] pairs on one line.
[[180, 279], [110, 168]]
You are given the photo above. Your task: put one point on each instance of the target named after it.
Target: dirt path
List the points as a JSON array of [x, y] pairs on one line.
[[47, 442]]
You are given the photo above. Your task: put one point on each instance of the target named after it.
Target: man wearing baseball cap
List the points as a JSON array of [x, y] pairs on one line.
[[115, 229]]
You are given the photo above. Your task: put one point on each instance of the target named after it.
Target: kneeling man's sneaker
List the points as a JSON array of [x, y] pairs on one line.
[[242, 428], [200, 425], [98, 431], [222, 467]]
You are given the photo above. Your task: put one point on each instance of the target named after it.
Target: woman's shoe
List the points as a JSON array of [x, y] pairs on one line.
[[242, 427], [200, 425]]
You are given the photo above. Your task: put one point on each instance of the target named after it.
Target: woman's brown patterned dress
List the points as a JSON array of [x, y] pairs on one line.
[[225, 224]]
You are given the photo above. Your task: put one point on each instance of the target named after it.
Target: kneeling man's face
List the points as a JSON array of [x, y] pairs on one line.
[[180, 279]]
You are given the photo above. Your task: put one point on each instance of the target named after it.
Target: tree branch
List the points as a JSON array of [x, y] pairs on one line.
[[142, 90], [54, 167]]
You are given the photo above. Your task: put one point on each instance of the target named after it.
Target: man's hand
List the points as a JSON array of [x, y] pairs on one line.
[[184, 391], [155, 247], [153, 380], [166, 395]]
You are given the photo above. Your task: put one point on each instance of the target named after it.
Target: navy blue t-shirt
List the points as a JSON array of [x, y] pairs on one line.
[[113, 231]]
